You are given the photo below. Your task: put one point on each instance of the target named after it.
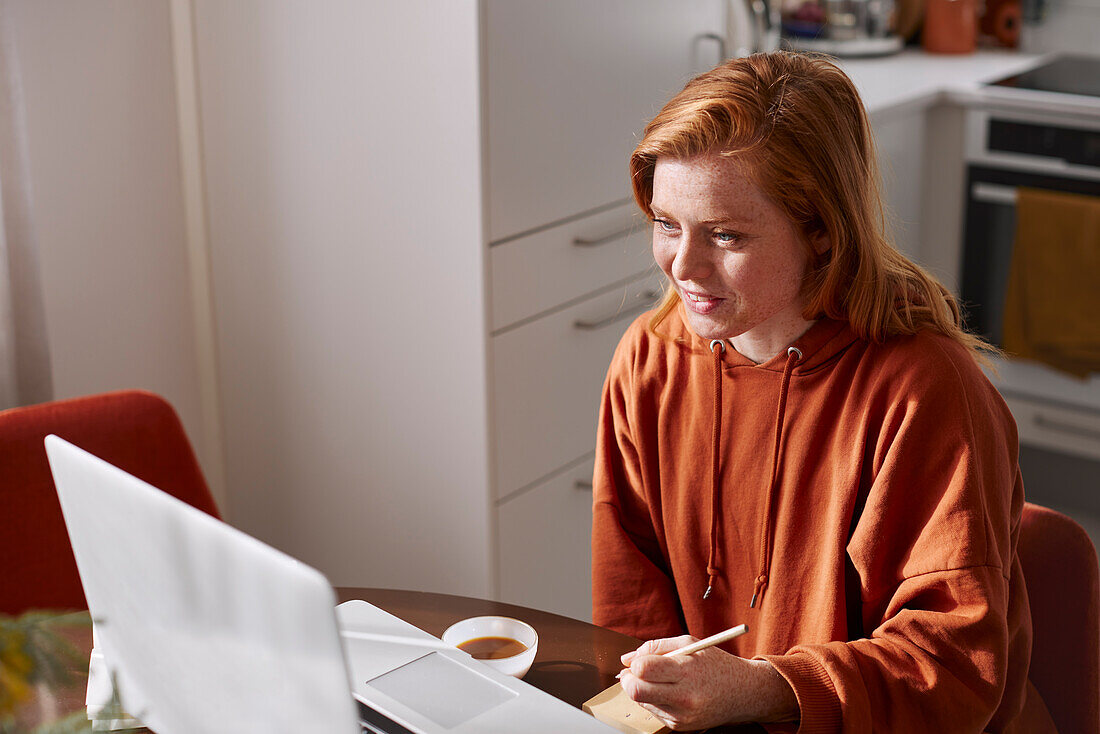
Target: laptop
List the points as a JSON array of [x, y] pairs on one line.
[[207, 629]]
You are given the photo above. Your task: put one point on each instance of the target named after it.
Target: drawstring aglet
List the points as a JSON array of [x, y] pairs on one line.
[[707, 592], [761, 583]]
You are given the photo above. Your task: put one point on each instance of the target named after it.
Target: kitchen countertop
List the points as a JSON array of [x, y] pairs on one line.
[[914, 79]]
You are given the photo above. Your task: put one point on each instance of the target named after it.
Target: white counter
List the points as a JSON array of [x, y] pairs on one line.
[[913, 78]]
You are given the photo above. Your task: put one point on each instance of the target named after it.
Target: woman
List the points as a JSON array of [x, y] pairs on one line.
[[800, 439]]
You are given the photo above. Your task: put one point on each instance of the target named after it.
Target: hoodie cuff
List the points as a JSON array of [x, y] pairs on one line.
[[819, 707]]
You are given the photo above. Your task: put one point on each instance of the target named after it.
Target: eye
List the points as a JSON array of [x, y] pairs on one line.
[[665, 225], [727, 238]]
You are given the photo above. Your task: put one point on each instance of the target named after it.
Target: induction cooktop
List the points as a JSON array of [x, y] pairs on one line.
[[1065, 74]]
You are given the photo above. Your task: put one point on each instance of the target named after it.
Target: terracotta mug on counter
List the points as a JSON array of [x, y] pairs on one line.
[[950, 26]]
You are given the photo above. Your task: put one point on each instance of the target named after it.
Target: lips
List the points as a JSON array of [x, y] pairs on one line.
[[701, 303], [699, 297]]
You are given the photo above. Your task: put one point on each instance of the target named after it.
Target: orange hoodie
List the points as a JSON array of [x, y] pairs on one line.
[[860, 515]]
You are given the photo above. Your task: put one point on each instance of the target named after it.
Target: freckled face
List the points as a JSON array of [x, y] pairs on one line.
[[733, 256]]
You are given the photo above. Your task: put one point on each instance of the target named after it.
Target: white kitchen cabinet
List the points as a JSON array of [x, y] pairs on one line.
[[558, 264], [566, 79], [545, 561], [899, 138], [570, 262], [394, 191], [942, 193], [342, 157], [547, 377]]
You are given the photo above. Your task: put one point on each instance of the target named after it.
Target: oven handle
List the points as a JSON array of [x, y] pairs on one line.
[[993, 193]]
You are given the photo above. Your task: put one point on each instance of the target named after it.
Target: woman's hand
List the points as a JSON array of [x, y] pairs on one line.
[[707, 688]]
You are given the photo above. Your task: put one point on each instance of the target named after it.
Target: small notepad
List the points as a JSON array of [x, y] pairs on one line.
[[616, 709]]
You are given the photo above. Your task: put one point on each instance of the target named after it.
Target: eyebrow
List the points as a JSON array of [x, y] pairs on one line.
[[658, 212]]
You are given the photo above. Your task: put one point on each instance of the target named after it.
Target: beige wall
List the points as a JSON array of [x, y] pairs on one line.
[[104, 159]]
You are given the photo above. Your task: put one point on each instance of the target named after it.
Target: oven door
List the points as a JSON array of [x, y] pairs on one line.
[[989, 234], [1053, 411]]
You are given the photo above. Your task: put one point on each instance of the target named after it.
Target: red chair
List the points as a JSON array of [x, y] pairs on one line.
[[137, 431], [1063, 586]]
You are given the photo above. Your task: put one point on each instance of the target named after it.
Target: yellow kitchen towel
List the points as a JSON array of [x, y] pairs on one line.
[[1052, 306]]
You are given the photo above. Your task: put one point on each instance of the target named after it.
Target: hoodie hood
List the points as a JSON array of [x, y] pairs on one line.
[[821, 344]]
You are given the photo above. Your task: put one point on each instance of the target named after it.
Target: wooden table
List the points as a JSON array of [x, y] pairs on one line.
[[575, 660]]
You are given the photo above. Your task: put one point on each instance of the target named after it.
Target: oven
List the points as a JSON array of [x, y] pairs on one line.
[[1013, 150], [1051, 147]]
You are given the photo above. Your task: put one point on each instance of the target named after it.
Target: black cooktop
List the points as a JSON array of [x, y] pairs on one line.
[[1064, 74]]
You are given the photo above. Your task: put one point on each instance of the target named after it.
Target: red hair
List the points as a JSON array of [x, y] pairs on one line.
[[799, 123]]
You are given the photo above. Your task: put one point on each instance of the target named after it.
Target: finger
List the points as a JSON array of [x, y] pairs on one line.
[[642, 691], [658, 647], [668, 644], [646, 648]]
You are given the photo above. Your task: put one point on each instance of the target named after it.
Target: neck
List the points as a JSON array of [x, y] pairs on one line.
[[761, 347]]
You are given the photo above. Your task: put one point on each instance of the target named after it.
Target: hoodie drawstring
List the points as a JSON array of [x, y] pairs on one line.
[[793, 355], [718, 349], [715, 455]]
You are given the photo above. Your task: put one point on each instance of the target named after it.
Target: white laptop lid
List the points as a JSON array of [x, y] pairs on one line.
[[213, 631]]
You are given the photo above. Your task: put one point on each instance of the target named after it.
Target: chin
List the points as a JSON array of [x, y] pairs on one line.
[[708, 330]]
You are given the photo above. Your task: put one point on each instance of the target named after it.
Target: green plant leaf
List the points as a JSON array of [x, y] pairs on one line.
[[75, 723]]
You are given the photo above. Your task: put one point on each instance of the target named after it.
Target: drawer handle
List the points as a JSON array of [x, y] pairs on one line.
[[585, 242], [582, 485], [649, 296], [1043, 422]]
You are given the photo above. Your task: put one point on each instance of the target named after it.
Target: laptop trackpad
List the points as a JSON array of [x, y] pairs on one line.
[[442, 690]]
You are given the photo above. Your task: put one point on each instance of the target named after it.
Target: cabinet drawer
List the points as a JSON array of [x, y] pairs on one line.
[[534, 273], [547, 377], [544, 551], [1057, 427]]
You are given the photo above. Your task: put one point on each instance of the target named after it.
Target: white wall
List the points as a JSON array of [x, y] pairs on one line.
[[104, 163], [1068, 26]]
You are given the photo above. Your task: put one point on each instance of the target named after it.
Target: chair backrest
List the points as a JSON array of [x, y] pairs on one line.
[[135, 430], [1063, 587]]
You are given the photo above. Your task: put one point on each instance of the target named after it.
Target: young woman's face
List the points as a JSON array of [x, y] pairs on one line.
[[735, 259]]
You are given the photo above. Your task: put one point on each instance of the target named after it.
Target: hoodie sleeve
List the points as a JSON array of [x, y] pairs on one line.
[[934, 550], [632, 587]]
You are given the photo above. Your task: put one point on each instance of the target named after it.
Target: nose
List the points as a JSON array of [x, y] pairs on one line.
[[692, 261]]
